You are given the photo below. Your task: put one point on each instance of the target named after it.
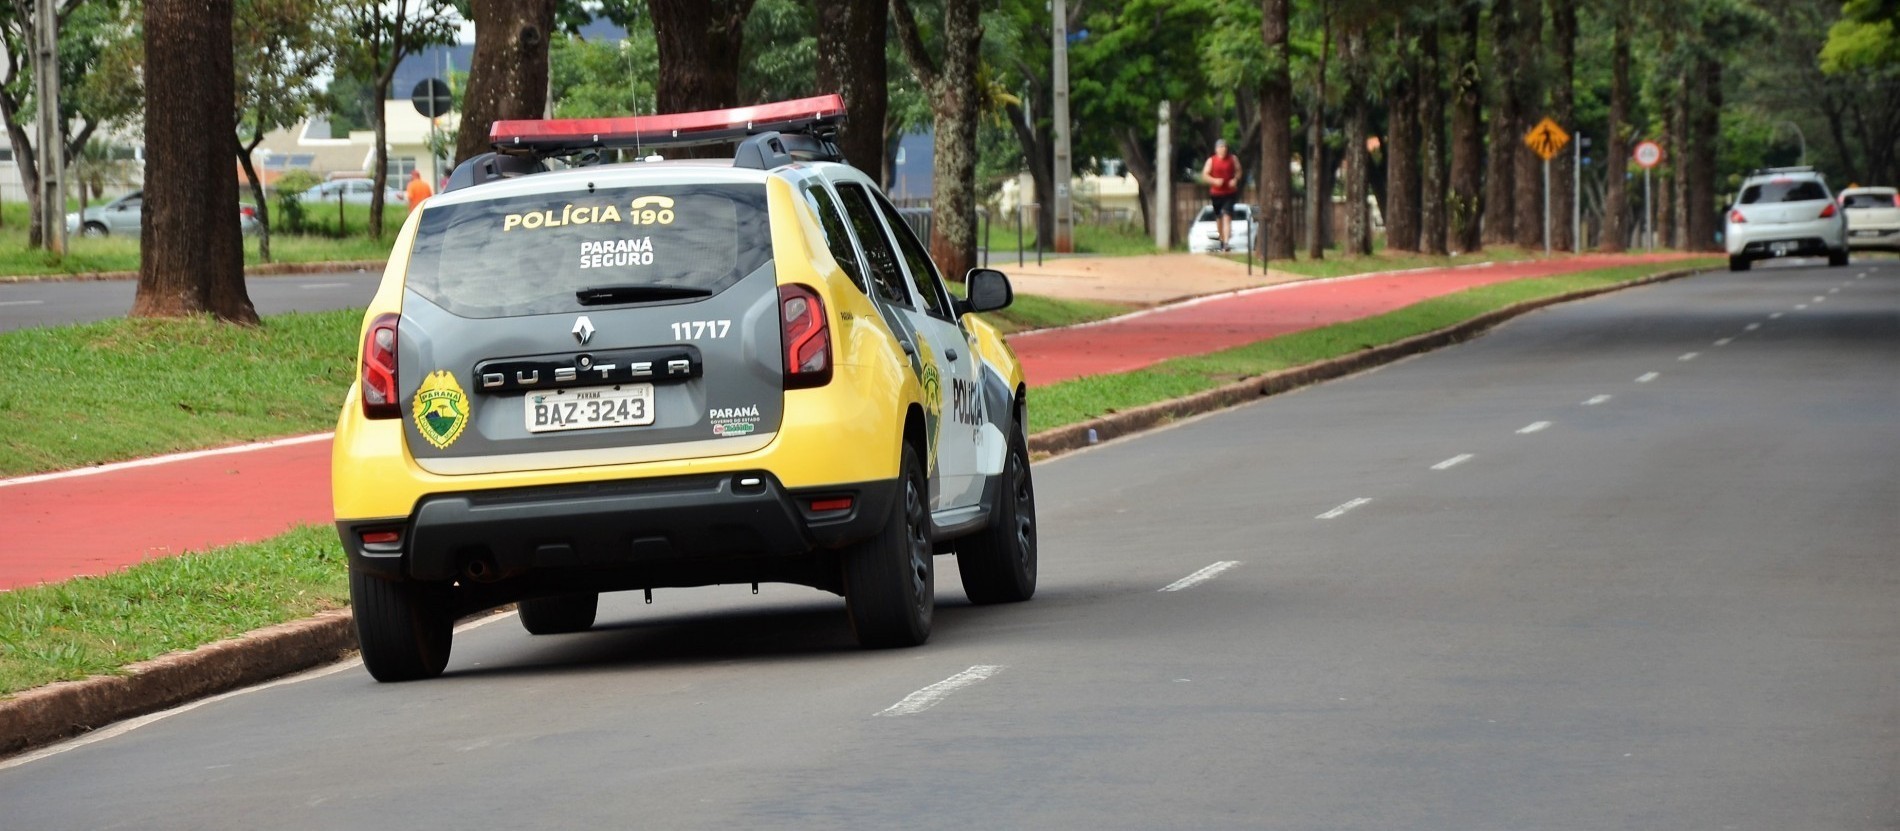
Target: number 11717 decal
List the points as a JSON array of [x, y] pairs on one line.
[[701, 329]]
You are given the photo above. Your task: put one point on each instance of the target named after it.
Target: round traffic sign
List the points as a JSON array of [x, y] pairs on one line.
[[432, 98], [1648, 154]]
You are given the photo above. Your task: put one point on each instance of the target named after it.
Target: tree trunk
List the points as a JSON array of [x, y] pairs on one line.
[[28, 166], [1530, 197], [192, 256], [1276, 135], [1616, 156], [1319, 178], [846, 67], [1431, 145], [1706, 123], [1563, 49], [1500, 169], [699, 49], [1038, 148], [1358, 160], [1464, 207], [508, 75], [379, 170], [1401, 154], [1679, 175], [951, 85], [1137, 156], [257, 194]]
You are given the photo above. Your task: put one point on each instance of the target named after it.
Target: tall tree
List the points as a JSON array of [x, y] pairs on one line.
[[851, 62], [700, 44], [1563, 49], [277, 55], [1358, 61], [1465, 205], [375, 35], [1501, 211], [1616, 155], [1527, 90], [948, 79], [1401, 146], [1276, 131], [1318, 168], [192, 259], [508, 75], [1431, 146]]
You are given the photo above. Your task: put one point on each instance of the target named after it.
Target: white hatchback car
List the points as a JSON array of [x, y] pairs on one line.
[[1873, 217], [1785, 212], [1204, 235]]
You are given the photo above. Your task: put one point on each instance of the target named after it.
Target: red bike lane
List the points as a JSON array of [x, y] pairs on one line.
[[98, 520]]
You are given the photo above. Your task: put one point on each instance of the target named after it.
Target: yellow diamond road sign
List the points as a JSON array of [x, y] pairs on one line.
[[1546, 138]]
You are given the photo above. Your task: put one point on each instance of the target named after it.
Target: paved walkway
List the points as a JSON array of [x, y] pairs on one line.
[[98, 520]]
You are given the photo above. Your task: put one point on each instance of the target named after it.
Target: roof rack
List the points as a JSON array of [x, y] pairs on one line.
[[817, 117], [1765, 171]]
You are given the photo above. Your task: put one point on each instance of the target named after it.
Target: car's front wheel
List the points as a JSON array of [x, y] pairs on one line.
[[93, 229], [998, 564], [890, 583], [403, 628], [559, 615]]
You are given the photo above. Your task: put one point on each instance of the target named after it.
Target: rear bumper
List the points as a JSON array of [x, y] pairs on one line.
[[1793, 239], [673, 523], [1873, 238]]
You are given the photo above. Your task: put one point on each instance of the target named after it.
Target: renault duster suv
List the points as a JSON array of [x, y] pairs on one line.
[[615, 377]]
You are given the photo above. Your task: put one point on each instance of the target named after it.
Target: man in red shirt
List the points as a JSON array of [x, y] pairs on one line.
[[1222, 175]]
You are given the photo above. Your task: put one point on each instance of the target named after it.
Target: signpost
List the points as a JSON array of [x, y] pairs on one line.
[[433, 99], [1546, 139], [1648, 154]]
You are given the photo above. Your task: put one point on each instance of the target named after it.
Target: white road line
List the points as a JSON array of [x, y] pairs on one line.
[[1751, 327], [1800, 306], [1834, 290], [1724, 341], [1341, 510], [1775, 315], [21, 302], [1452, 462], [1199, 577], [1647, 377], [160, 460], [1687, 356], [1533, 427], [1595, 400], [323, 285], [934, 694], [1819, 298]]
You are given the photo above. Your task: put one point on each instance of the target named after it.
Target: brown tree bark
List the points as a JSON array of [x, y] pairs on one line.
[[1319, 174], [1678, 175], [950, 82], [1616, 225], [1431, 144], [1464, 207], [699, 44], [1276, 134], [1706, 125], [508, 75], [847, 67], [1401, 152], [1563, 51], [192, 256], [1529, 194], [1358, 160], [1500, 174]]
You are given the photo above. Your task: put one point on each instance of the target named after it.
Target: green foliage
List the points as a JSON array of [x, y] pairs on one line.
[[1864, 39], [596, 78], [289, 215], [781, 52]]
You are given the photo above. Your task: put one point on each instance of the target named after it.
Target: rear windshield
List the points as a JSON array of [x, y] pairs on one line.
[[529, 255], [1871, 200], [1791, 190]]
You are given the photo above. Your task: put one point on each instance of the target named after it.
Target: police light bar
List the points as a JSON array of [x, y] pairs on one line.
[[550, 136]]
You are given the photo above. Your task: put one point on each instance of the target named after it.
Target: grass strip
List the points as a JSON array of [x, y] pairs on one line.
[[91, 255], [98, 625]]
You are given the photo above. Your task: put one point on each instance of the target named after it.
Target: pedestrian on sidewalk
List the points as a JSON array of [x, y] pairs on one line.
[[1221, 173], [418, 189]]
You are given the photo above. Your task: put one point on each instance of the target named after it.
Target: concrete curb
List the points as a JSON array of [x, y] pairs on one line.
[[266, 270], [44, 715]]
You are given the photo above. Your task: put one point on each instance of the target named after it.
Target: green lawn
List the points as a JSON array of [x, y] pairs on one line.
[[1104, 240], [93, 255]]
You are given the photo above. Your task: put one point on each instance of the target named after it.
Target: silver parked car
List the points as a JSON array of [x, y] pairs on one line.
[[1873, 217], [352, 192], [122, 216], [1785, 212], [1204, 235]]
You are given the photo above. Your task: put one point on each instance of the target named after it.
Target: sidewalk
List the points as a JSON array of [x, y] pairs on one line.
[[97, 520]]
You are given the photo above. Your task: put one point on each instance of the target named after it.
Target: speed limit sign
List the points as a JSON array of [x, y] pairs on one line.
[[1648, 154]]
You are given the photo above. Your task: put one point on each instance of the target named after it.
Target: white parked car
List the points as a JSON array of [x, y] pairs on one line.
[[1873, 217], [1204, 234], [352, 192], [1785, 212], [122, 216]]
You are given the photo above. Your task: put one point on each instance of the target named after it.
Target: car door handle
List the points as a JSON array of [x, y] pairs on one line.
[[951, 354], [909, 348]]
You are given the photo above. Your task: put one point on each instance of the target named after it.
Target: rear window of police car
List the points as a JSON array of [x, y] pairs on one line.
[[529, 255], [1802, 190]]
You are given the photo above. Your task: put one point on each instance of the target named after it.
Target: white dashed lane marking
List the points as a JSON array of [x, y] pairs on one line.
[[323, 285], [1341, 510], [1452, 462], [1724, 341], [1199, 577], [1751, 327], [1834, 290], [1647, 377], [934, 694], [1595, 400], [1687, 356], [21, 302], [1819, 298], [1533, 427], [1800, 306], [1776, 315]]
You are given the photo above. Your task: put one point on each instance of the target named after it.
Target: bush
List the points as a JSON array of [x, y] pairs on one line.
[[290, 188]]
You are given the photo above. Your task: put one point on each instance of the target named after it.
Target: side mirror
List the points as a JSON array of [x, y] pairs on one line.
[[988, 290]]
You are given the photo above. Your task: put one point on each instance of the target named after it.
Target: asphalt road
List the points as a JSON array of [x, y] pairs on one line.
[[57, 303], [1625, 563]]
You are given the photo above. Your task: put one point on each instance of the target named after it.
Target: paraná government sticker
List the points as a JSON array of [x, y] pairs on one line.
[[441, 409]]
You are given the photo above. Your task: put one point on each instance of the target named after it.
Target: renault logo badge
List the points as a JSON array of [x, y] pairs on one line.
[[583, 330]]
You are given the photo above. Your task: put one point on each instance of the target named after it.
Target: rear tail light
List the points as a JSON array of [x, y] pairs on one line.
[[1896, 200], [1828, 211], [379, 368], [807, 337], [1736, 217]]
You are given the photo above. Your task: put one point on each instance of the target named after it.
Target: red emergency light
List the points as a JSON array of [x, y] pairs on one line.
[[819, 114]]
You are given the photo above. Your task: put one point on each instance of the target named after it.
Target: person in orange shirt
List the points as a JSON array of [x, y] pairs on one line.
[[1222, 175], [418, 189]]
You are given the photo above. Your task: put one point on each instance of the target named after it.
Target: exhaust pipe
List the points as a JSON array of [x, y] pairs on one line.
[[480, 569]]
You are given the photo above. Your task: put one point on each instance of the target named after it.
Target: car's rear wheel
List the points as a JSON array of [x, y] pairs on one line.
[[403, 628], [1738, 263], [890, 584], [1837, 258], [561, 614], [93, 229], [998, 564]]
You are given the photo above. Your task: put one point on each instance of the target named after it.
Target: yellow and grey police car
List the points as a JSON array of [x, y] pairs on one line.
[[582, 377]]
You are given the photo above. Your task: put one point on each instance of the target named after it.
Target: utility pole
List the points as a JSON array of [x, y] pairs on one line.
[[1059, 81], [52, 157], [1164, 181]]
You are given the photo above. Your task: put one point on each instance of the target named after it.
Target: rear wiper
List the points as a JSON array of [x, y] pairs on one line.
[[602, 295]]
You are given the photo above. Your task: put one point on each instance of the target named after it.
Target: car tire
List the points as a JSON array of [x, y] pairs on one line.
[[93, 229], [1738, 263], [890, 582], [403, 628], [998, 563], [1836, 259], [559, 615]]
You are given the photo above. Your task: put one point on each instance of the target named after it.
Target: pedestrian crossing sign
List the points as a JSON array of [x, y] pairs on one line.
[[1546, 139]]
